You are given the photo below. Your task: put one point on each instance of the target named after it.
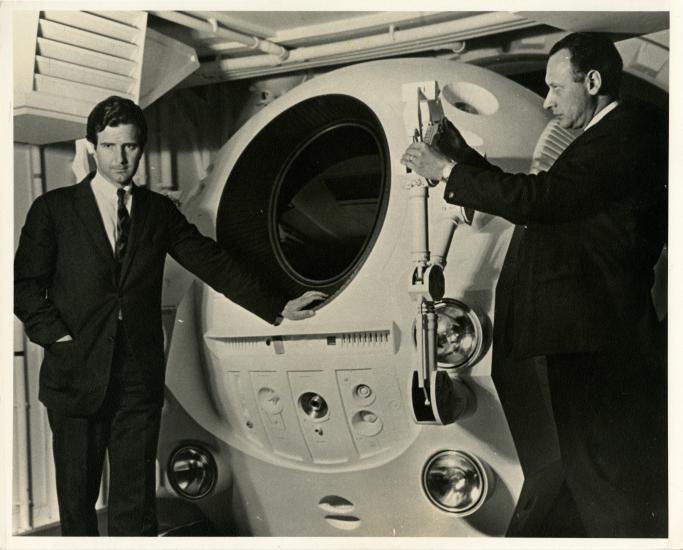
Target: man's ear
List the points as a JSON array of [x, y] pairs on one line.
[[90, 147], [593, 82]]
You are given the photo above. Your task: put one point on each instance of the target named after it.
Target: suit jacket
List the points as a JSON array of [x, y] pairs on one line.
[[578, 274], [66, 281]]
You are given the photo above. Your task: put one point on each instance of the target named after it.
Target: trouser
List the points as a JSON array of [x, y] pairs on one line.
[[610, 411], [127, 427]]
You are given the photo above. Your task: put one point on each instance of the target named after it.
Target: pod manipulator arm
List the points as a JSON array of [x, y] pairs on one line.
[[436, 398], [453, 216]]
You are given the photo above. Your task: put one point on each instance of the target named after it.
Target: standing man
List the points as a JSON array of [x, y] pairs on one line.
[[579, 273], [87, 282]]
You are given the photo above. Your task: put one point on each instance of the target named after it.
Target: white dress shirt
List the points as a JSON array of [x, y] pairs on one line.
[[601, 114], [108, 204]]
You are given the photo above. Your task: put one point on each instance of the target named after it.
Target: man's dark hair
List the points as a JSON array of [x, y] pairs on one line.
[[113, 111], [590, 50]]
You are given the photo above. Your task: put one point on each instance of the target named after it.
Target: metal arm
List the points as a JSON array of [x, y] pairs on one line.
[[436, 398]]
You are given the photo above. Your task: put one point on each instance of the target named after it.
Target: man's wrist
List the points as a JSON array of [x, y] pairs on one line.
[[447, 169]]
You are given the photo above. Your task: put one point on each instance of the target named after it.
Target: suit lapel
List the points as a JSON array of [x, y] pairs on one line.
[[89, 214], [602, 127], [140, 210]]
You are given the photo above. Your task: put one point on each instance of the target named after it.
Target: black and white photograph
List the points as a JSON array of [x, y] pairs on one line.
[[297, 276]]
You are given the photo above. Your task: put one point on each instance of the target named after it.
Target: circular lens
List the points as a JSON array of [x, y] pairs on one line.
[[455, 482], [313, 405], [192, 472], [458, 333]]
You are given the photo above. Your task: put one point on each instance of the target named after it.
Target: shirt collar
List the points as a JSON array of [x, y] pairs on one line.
[[601, 114], [104, 187]]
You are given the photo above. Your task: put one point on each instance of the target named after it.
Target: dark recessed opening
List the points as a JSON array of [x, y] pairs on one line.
[[327, 202], [307, 197]]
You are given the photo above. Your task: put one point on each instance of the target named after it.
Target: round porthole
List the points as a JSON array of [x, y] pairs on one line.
[[305, 201]]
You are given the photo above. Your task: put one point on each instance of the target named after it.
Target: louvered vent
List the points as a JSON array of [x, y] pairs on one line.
[[375, 338], [67, 61], [370, 341], [553, 141], [90, 55]]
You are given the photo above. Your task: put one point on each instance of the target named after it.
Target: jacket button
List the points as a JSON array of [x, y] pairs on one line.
[[111, 338]]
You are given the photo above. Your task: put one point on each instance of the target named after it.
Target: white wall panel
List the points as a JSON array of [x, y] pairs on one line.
[[43, 493], [20, 481], [35, 501], [21, 497], [57, 161]]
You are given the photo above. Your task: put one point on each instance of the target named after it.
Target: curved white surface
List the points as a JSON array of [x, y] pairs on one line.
[[224, 364]]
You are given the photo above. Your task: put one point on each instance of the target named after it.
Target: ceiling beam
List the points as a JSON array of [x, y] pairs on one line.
[[390, 42], [212, 26]]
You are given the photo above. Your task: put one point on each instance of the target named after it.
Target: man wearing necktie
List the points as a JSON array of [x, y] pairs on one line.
[[88, 277], [575, 285]]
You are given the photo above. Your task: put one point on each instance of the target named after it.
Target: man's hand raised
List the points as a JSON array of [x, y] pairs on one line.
[[425, 161]]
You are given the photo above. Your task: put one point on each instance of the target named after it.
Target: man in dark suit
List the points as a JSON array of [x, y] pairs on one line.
[[576, 282], [87, 279]]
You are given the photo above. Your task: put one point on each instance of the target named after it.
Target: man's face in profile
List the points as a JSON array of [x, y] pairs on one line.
[[118, 153], [568, 97]]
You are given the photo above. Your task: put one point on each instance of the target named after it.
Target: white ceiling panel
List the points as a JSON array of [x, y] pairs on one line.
[[621, 22]]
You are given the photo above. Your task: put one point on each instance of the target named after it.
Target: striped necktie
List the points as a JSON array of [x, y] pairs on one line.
[[122, 225]]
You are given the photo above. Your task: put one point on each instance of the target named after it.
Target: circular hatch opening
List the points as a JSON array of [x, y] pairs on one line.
[[305, 201]]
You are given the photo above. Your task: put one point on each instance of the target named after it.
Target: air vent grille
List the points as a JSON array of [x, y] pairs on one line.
[[245, 344], [375, 338], [67, 61], [553, 141], [370, 341], [89, 56]]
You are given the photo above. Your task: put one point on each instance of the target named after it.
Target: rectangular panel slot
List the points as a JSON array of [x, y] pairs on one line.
[[371, 341]]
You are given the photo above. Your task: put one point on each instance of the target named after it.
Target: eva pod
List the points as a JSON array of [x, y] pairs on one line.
[[315, 427]]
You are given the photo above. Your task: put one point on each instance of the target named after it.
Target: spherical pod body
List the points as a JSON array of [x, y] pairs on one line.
[[318, 427]]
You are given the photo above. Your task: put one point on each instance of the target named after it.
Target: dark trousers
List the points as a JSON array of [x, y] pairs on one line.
[[127, 428], [610, 411]]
